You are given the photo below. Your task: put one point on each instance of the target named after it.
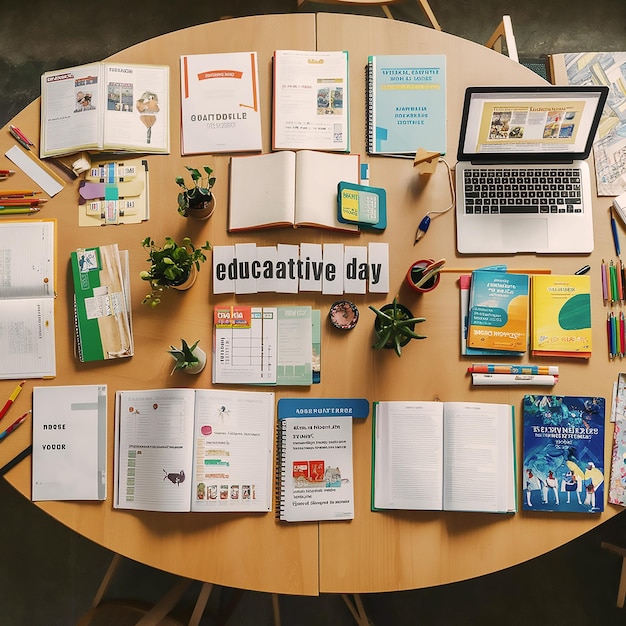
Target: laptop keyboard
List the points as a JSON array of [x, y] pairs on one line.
[[522, 190]]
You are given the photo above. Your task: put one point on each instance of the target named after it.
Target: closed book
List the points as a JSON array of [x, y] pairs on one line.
[[563, 453], [406, 103], [220, 103], [101, 303], [69, 442], [498, 311], [561, 315], [311, 103], [315, 479]]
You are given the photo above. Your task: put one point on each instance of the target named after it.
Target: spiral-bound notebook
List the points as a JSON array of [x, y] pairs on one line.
[[406, 104], [314, 466]]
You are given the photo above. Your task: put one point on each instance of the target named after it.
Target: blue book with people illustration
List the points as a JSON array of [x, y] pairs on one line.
[[563, 452]]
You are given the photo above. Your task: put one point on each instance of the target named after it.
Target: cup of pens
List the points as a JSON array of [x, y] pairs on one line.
[[424, 275]]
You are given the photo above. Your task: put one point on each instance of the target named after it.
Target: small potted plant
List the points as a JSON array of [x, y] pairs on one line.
[[394, 326], [188, 359], [198, 200], [171, 265]]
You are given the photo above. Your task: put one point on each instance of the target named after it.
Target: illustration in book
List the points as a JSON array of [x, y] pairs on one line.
[[563, 453]]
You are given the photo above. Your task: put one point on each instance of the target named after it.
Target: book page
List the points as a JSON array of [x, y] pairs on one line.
[[136, 108], [245, 345], [27, 295], [316, 468], [71, 110], [27, 250], [262, 191], [311, 105], [317, 177], [295, 339], [234, 447], [154, 449], [27, 345], [478, 454], [408, 455]]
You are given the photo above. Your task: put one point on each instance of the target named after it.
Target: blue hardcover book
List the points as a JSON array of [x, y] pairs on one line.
[[406, 103], [563, 450]]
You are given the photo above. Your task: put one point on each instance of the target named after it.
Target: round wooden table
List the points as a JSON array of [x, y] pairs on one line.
[[375, 552]]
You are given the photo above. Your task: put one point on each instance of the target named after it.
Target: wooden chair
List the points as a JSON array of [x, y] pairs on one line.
[[126, 612], [503, 34], [621, 590], [384, 5]]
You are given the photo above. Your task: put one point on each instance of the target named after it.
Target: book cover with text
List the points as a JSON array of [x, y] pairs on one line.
[[561, 315], [406, 102], [498, 311], [563, 454]]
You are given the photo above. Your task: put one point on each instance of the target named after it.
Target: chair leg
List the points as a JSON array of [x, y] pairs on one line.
[[203, 598], [356, 608], [154, 616], [276, 609], [106, 580], [621, 590], [429, 14]]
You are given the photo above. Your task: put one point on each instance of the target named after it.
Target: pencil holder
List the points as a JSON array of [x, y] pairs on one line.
[[415, 274]]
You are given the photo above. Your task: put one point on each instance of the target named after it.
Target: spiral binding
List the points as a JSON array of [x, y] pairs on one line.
[[78, 346], [369, 107], [281, 470]]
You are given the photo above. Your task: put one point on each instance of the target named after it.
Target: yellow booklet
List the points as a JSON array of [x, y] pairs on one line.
[[561, 315]]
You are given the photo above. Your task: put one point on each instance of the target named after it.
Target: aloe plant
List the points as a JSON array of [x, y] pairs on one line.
[[187, 358], [394, 326]]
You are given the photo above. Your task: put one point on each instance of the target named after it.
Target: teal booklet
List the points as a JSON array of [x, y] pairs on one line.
[[406, 104], [362, 205]]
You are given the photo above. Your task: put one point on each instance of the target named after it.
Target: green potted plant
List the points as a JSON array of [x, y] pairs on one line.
[[394, 326], [197, 200], [188, 359], [171, 265]]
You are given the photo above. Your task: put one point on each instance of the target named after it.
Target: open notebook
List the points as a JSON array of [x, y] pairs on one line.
[[522, 182]]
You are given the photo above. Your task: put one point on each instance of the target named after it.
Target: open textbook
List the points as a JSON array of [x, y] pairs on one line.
[[193, 450], [27, 296], [105, 106], [451, 456]]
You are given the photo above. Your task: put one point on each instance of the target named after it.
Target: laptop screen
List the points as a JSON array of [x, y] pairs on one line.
[[530, 124]]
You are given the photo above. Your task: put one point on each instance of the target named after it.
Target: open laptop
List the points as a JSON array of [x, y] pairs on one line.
[[537, 138]]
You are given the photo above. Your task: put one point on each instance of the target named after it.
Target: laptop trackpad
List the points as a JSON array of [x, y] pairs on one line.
[[526, 234]]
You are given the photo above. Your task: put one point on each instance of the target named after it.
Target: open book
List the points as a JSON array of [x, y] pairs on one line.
[[193, 450], [289, 189], [452, 456], [105, 106], [27, 294]]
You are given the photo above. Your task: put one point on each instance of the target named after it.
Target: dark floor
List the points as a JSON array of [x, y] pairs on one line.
[[48, 574]]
